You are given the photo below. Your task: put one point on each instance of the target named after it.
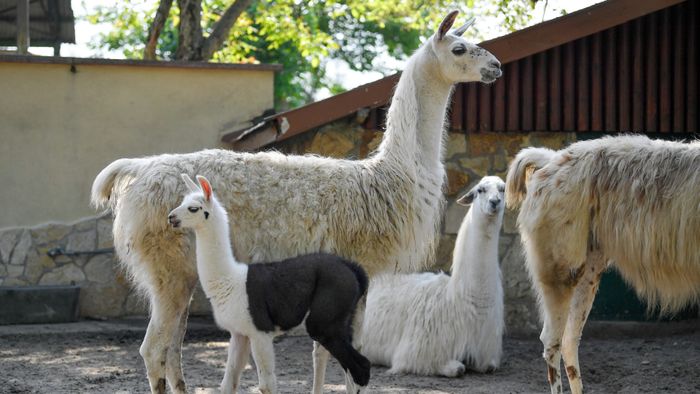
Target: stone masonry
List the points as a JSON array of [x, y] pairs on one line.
[[89, 262]]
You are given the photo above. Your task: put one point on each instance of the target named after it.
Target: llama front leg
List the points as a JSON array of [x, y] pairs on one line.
[[320, 356], [238, 352], [264, 356], [581, 303]]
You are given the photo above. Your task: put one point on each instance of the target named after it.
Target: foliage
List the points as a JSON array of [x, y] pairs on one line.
[[302, 36]]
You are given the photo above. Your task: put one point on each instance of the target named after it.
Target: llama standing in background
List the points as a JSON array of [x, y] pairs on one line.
[[259, 302], [284, 206], [432, 324], [627, 201]]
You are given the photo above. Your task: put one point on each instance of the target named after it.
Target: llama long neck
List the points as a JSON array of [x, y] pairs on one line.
[[416, 117], [475, 262], [215, 259]]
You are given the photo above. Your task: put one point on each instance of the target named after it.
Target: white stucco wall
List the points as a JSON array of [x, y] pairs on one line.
[[59, 127]]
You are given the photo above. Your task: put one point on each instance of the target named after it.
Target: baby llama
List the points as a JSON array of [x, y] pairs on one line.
[[258, 302], [432, 324]]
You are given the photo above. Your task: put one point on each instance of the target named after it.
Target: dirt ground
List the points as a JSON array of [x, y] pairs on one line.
[[103, 357]]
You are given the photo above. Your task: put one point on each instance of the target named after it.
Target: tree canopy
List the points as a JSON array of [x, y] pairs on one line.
[[302, 36]]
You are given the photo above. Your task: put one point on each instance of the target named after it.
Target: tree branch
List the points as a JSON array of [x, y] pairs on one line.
[[149, 53], [222, 28]]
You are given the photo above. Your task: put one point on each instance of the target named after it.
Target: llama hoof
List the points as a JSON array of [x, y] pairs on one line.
[[452, 369]]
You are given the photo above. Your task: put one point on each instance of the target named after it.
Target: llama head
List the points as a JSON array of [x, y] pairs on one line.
[[486, 196], [459, 60], [197, 206]]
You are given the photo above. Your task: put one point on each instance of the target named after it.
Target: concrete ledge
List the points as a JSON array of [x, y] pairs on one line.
[[38, 304]]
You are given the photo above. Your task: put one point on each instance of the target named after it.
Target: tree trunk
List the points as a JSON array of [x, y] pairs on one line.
[[190, 30]]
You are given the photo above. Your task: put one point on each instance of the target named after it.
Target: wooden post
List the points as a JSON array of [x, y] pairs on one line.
[[23, 26]]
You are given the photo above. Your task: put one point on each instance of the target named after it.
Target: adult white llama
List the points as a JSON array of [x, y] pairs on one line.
[[627, 201], [434, 324], [259, 302], [382, 212]]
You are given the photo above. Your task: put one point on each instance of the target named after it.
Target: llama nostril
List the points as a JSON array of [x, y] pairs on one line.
[[173, 220], [495, 64]]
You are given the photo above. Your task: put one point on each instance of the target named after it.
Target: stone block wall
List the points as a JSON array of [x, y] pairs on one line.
[[105, 290], [468, 157]]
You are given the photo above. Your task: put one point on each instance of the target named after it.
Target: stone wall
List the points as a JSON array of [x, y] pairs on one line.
[[89, 262], [467, 158]]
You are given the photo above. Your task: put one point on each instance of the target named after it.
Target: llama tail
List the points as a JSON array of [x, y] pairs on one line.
[[525, 163], [360, 274], [103, 185]]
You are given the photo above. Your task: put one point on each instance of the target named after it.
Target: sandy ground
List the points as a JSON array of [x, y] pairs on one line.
[[102, 357]]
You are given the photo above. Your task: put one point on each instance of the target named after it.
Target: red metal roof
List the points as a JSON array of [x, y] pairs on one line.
[[526, 91]]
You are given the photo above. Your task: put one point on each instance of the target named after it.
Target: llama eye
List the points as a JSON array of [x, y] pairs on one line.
[[480, 190], [193, 209], [459, 51]]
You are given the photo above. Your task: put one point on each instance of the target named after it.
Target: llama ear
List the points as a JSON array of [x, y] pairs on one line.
[[206, 187], [460, 30], [467, 198], [189, 182], [446, 25]]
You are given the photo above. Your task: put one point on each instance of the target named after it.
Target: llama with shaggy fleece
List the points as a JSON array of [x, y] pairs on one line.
[[382, 212], [625, 201], [434, 324], [258, 302]]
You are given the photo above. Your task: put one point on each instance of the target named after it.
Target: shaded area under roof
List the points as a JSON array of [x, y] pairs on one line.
[[51, 22]]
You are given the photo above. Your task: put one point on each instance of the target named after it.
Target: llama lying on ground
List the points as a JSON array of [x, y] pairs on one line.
[[258, 302], [626, 201], [284, 206], [431, 324]]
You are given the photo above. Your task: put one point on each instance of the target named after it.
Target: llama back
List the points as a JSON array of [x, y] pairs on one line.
[[635, 199], [321, 212]]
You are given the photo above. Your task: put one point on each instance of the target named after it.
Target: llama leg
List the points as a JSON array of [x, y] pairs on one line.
[[162, 344], [351, 361], [238, 352], [358, 319], [556, 298], [581, 303], [264, 356], [320, 356], [173, 362], [154, 347], [356, 329]]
